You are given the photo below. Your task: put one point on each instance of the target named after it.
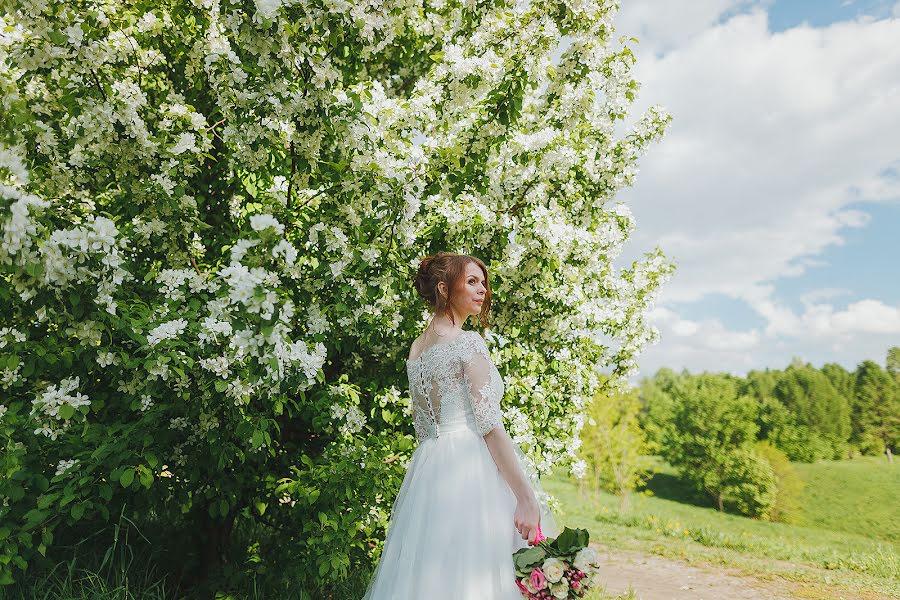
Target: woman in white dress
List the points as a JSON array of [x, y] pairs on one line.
[[467, 501]]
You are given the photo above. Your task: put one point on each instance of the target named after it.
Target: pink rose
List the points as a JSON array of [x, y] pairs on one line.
[[537, 579]]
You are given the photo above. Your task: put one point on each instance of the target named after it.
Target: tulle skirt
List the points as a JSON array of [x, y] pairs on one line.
[[451, 532]]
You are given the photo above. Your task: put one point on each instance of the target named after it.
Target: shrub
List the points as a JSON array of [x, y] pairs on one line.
[[788, 484]]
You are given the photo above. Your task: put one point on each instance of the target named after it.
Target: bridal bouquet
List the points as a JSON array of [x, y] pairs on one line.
[[560, 567]]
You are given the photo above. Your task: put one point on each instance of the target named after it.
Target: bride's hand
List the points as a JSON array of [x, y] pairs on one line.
[[527, 518]]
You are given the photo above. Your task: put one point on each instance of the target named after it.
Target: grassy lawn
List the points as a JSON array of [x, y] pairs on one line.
[[847, 544], [858, 496], [860, 555]]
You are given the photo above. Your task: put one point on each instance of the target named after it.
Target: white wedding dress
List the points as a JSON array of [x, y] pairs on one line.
[[451, 532]]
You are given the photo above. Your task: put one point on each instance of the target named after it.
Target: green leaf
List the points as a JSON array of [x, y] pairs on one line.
[[28, 369], [526, 557], [34, 269], [66, 411], [57, 37], [77, 511], [46, 500], [152, 460], [127, 477]]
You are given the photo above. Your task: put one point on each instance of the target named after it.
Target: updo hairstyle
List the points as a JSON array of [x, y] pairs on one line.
[[448, 267]]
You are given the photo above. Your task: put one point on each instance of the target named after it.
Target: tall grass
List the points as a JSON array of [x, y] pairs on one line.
[[120, 570], [686, 527], [860, 496]]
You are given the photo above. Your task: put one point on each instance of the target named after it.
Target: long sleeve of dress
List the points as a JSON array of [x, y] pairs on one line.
[[485, 387]]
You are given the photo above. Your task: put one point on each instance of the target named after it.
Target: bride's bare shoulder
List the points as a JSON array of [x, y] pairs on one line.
[[414, 347]]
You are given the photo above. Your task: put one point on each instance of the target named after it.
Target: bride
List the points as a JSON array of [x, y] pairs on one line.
[[467, 501]]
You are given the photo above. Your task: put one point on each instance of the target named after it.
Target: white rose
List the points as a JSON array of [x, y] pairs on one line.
[[553, 569], [585, 558], [526, 581], [560, 589]]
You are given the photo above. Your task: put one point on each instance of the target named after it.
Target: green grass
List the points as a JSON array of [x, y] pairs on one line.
[[846, 545], [857, 496], [673, 522]]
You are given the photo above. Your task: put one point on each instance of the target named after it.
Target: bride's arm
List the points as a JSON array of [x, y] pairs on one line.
[[501, 447], [485, 390]]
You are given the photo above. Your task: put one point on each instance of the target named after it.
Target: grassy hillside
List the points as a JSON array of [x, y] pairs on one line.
[[672, 522], [857, 496]]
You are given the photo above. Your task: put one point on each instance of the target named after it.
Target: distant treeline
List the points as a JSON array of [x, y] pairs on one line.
[[808, 413]]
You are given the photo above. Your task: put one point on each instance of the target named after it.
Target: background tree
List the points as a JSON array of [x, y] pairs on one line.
[[656, 406], [709, 436], [822, 414], [761, 384], [893, 361], [876, 411], [210, 213], [841, 379], [614, 445], [781, 427]]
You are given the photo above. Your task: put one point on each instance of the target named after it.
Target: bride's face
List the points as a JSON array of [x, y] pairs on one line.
[[469, 292]]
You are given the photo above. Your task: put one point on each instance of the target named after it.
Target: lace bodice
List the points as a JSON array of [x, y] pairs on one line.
[[454, 384]]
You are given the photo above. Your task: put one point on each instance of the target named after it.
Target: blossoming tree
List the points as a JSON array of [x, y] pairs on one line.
[[211, 213]]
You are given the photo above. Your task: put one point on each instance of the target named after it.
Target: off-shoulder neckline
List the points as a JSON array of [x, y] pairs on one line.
[[433, 346]]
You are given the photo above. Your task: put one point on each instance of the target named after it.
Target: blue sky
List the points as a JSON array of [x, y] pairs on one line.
[[777, 188], [821, 13]]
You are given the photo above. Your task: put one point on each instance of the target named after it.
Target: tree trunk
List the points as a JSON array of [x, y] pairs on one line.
[[214, 543], [719, 501], [890, 455]]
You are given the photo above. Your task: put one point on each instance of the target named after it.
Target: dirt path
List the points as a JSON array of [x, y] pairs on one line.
[[656, 577], [659, 578]]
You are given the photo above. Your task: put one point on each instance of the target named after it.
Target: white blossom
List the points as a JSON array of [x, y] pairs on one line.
[[49, 402], [266, 221], [166, 331], [64, 465]]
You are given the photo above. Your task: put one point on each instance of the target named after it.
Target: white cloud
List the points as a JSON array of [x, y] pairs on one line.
[[774, 137], [708, 334], [699, 345], [823, 294], [822, 333], [896, 10], [663, 24], [821, 320]]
